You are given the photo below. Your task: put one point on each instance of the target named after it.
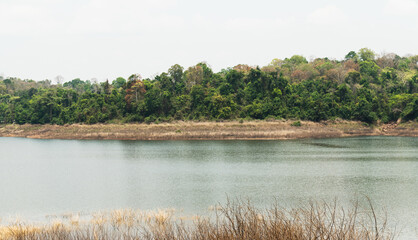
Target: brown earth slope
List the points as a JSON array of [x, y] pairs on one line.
[[230, 130]]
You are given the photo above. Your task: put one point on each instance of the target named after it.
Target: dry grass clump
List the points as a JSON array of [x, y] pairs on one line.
[[234, 220]]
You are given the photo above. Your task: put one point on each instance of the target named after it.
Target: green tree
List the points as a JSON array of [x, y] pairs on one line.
[[119, 83], [352, 55], [366, 54]]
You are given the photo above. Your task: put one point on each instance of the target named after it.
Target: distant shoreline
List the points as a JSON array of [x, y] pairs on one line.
[[230, 130]]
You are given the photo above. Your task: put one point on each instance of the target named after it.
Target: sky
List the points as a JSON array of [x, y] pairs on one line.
[[105, 39]]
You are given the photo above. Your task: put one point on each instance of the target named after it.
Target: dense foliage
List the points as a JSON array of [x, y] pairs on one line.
[[360, 87]]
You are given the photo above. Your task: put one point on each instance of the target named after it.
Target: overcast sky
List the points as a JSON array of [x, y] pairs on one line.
[[40, 39]]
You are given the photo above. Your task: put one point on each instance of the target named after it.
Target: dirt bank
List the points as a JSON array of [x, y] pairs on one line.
[[209, 130]]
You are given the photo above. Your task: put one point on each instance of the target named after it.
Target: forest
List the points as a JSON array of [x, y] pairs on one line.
[[363, 86]]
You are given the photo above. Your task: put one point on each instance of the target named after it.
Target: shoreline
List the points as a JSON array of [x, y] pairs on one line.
[[230, 130]]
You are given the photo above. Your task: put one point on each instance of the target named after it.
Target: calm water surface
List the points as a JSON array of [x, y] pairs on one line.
[[41, 177]]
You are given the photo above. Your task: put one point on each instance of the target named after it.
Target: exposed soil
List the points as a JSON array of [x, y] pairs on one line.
[[231, 130]]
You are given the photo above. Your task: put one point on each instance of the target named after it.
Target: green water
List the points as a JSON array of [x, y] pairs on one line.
[[41, 177]]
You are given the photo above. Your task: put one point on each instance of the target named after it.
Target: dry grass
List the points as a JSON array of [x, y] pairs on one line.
[[235, 220], [230, 130]]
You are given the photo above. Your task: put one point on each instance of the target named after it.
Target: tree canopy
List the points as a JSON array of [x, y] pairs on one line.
[[363, 86]]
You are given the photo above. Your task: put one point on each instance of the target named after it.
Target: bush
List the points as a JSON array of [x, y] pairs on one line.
[[296, 124], [149, 119]]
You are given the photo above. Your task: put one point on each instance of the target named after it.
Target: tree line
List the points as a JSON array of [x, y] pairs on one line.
[[362, 86]]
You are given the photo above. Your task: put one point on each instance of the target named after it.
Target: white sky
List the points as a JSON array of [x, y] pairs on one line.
[[40, 39]]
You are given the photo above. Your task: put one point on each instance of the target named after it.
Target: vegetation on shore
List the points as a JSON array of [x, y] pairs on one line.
[[234, 220], [362, 87]]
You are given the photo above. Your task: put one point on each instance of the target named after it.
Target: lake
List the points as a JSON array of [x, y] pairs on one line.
[[42, 177]]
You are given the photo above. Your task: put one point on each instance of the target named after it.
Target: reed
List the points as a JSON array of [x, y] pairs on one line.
[[233, 220]]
